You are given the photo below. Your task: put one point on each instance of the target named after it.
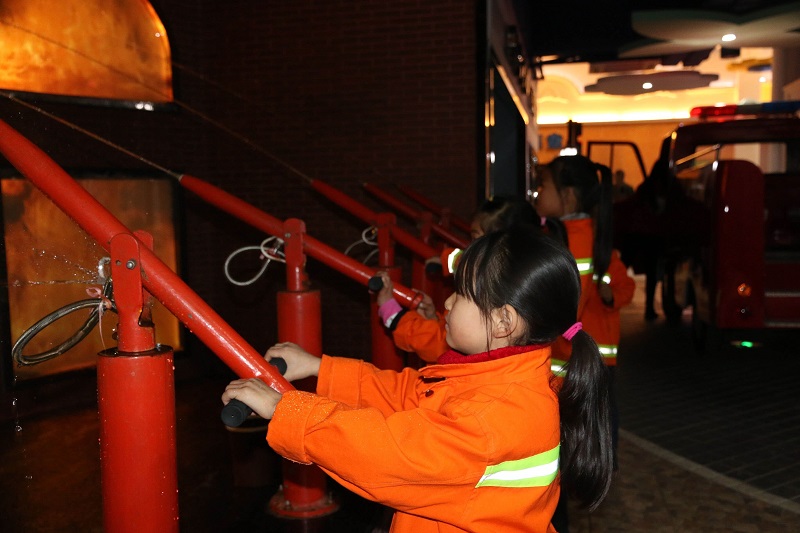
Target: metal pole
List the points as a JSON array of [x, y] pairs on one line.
[[136, 404], [443, 212], [403, 237], [303, 493], [385, 354], [271, 225], [417, 216], [157, 277]]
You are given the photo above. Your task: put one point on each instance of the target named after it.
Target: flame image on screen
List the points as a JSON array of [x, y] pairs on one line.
[[85, 48], [52, 262]]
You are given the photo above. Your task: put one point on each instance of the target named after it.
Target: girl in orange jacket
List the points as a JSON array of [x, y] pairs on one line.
[[569, 189], [423, 332], [480, 441]]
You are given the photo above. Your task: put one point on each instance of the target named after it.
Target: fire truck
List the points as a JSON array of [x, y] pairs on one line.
[[734, 255]]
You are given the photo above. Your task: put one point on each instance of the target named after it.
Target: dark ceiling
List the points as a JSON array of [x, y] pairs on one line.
[[595, 31]]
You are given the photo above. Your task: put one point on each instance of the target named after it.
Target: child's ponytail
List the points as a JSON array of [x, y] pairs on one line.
[[586, 451]]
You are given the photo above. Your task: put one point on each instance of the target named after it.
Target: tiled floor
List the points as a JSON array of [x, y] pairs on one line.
[[707, 444], [710, 441]]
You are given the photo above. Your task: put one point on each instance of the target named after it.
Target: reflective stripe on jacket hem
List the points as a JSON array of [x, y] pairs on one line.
[[608, 351]]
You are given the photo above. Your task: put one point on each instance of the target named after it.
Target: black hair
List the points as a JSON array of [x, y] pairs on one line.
[[501, 212], [595, 197], [537, 275]]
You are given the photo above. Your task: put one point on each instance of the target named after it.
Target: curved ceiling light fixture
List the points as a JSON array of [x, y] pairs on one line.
[[675, 31], [631, 84]]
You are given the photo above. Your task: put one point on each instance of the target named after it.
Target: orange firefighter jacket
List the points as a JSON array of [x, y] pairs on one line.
[[452, 447], [425, 337], [600, 320]]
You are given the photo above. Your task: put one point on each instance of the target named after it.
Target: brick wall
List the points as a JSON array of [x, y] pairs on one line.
[[343, 92]]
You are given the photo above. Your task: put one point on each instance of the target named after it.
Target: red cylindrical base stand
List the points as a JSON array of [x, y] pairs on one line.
[[136, 400], [304, 491], [300, 496]]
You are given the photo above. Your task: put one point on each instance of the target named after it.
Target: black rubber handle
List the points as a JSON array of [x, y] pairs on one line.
[[235, 411], [434, 268], [375, 283]]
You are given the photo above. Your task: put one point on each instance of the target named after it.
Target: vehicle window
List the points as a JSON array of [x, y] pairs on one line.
[[777, 161], [770, 157], [695, 171], [619, 155]]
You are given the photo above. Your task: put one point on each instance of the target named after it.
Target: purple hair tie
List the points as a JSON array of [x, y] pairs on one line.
[[573, 329]]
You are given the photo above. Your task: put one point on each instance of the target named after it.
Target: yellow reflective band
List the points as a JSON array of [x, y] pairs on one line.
[[608, 349], [452, 260], [558, 367], [585, 266], [537, 471]]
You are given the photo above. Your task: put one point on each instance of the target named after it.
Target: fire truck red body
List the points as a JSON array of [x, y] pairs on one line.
[[737, 263]]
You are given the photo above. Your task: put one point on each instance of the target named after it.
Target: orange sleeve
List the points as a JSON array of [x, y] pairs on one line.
[[380, 454], [399, 460], [622, 285], [360, 384], [425, 337], [418, 459]]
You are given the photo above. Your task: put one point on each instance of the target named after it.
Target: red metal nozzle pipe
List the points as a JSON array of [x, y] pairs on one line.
[[367, 215], [415, 215], [401, 207], [157, 277], [273, 226], [433, 207]]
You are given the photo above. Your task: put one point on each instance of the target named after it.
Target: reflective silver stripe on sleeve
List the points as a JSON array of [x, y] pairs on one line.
[[537, 471]]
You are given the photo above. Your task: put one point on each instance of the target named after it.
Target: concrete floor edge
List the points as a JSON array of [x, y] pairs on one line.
[[709, 474]]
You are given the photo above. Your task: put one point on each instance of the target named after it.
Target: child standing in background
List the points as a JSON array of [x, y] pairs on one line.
[[569, 189], [479, 441]]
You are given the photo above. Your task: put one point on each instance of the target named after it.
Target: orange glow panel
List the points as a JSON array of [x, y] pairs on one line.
[[85, 48], [52, 262]]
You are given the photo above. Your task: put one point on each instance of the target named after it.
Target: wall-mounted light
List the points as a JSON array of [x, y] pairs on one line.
[[728, 37], [647, 85]]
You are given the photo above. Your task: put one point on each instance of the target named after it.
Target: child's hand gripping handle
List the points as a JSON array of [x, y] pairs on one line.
[[235, 411], [375, 283], [409, 298]]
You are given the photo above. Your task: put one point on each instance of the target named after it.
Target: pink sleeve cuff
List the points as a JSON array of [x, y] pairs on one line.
[[388, 310]]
